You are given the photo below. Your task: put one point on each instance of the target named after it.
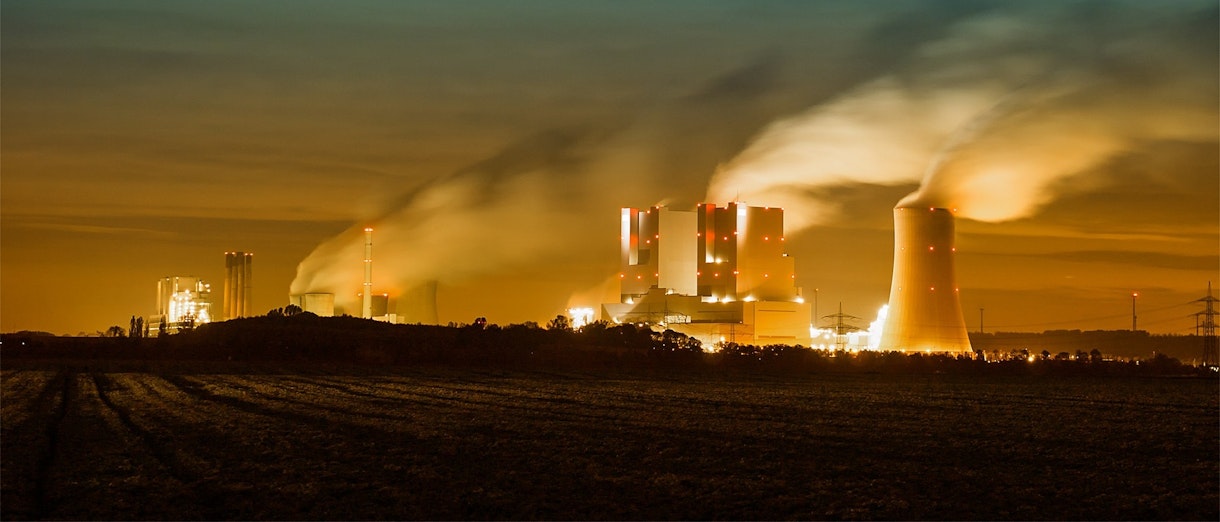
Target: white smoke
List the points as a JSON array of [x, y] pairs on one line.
[[548, 200], [996, 117]]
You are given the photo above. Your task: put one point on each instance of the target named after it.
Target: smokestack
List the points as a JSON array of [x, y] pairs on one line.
[[924, 311], [367, 311], [247, 281], [239, 283]]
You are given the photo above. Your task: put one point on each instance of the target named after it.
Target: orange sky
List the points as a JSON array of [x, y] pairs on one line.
[[493, 142]]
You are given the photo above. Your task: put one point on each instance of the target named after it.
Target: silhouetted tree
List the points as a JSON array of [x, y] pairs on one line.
[[560, 322], [114, 331], [292, 310], [670, 340], [275, 312], [137, 329], [480, 323]]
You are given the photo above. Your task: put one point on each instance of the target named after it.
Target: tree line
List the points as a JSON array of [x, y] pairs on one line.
[[295, 336]]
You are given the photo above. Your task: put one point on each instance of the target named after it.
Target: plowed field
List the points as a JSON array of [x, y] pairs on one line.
[[469, 444]]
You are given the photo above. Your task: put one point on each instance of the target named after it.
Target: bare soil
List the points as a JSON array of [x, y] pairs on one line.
[[178, 442]]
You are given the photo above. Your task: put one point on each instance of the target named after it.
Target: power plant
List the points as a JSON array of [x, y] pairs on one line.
[[719, 274], [182, 303], [239, 282], [924, 313]]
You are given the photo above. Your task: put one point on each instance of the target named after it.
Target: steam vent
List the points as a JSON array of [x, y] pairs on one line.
[[924, 312]]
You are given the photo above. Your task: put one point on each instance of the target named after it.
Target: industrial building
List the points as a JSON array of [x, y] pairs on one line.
[[182, 303], [925, 312], [719, 274], [239, 283]]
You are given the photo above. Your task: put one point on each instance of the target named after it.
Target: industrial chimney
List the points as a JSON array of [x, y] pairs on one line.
[[367, 309], [924, 311], [239, 283]]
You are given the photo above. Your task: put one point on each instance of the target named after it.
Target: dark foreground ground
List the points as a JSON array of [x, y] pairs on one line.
[[182, 442]]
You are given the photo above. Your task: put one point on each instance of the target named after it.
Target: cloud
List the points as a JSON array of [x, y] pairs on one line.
[[1142, 259], [995, 117]]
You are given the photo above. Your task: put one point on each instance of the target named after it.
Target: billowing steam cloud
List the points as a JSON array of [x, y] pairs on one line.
[[508, 209], [542, 198], [998, 116], [993, 113]]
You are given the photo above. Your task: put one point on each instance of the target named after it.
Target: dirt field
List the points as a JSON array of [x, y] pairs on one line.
[[184, 443]]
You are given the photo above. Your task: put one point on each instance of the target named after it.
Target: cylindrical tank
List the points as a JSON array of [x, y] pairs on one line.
[[924, 312]]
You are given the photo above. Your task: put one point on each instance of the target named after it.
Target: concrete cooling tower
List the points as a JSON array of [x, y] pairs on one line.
[[924, 311]]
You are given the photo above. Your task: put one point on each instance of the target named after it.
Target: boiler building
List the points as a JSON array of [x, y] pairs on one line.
[[719, 274]]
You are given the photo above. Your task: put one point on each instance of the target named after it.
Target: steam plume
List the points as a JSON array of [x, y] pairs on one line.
[[543, 198], [997, 117]]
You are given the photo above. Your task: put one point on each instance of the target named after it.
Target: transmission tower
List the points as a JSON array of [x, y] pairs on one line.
[[841, 326], [1207, 320]]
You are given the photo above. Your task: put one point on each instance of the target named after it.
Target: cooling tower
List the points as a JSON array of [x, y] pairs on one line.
[[417, 305], [924, 312]]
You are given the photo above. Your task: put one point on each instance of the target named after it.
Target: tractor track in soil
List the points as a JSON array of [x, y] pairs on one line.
[[63, 387], [206, 493]]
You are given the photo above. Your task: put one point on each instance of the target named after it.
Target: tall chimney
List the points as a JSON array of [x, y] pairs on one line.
[[367, 312], [247, 285], [924, 311], [239, 283]]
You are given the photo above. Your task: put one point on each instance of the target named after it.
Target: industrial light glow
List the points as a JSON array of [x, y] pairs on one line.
[[581, 316]]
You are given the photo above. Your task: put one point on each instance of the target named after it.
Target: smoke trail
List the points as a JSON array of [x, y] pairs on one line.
[[508, 209], [543, 198], [997, 117]]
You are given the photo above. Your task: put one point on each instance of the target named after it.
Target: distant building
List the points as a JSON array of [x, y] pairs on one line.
[[719, 274], [182, 303], [239, 282]]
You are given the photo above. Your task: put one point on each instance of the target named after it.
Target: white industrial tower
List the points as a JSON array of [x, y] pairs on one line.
[[367, 310]]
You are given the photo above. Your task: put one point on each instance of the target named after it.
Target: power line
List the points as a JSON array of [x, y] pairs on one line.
[[1088, 319]]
